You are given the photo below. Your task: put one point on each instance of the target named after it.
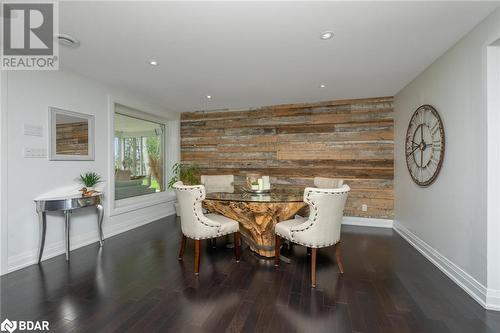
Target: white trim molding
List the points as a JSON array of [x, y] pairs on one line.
[[493, 299], [493, 175], [30, 257], [117, 207], [487, 298], [367, 222]]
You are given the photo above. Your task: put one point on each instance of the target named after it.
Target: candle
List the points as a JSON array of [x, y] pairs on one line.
[[261, 184], [267, 183]]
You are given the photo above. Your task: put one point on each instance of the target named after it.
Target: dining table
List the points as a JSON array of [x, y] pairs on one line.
[[257, 214]]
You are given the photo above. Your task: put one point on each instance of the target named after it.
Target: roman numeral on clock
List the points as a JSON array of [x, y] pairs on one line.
[[424, 147]]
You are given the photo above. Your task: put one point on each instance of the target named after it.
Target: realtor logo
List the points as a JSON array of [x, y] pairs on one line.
[[24, 325], [8, 326], [28, 36]]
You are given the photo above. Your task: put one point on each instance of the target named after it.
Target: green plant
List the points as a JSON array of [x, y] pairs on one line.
[[90, 179], [189, 174]]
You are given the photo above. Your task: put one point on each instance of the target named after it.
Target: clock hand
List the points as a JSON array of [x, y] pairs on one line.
[[421, 158], [412, 151], [427, 145]]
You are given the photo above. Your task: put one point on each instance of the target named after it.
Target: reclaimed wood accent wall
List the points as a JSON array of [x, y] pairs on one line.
[[72, 138], [348, 139]]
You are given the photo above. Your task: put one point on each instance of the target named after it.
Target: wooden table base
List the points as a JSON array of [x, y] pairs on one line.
[[257, 220]]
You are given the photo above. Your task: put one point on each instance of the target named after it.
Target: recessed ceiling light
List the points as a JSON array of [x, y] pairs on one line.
[[322, 85], [326, 35], [209, 97], [68, 41], [153, 62]]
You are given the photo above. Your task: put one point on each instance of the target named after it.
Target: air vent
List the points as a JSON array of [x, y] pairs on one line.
[[68, 41]]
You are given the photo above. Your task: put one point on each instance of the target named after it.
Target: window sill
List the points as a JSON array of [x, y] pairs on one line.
[[135, 203]]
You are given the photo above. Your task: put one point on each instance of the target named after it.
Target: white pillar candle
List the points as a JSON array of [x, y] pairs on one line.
[[267, 183], [261, 184]]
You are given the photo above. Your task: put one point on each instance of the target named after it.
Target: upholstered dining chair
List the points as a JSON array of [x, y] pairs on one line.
[[320, 229], [197, 225], [323, 182], [218, 183]]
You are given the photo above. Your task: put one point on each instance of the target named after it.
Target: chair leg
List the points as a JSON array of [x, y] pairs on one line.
[[237, 245], [197, 256], [183, 247], [213, 242], [277, 246], [338, 256], [313, 267], [308, 251]]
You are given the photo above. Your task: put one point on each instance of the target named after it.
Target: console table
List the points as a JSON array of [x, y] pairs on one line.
[[67, 204]]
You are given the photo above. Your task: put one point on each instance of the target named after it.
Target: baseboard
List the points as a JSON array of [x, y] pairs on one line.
[[493, 299], [465, 281], [488, 298], [367, 222], [30, 257]]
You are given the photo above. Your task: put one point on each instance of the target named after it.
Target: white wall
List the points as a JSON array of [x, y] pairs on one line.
[[3, 173], [494, 173], [29, 94], [449, 218]]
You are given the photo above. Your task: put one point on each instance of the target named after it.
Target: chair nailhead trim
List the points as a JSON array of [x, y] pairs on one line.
[[199, 200], [305, 244]]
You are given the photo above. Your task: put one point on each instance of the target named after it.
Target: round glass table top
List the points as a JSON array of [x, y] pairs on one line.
[[275, 195]]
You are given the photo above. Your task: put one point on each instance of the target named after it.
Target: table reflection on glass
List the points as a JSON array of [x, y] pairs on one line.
[[257, 214]]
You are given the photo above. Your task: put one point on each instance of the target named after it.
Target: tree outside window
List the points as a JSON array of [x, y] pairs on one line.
[[139, 156]]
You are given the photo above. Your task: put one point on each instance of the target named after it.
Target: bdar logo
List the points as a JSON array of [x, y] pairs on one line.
[[8, 325]]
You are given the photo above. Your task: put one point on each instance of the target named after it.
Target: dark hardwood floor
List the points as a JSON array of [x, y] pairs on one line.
[[136, 284]]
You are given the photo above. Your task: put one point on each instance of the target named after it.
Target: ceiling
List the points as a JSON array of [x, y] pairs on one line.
[[249, 54]]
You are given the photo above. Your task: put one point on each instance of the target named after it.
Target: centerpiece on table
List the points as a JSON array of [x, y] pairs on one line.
[[257, 184], [89, 180]]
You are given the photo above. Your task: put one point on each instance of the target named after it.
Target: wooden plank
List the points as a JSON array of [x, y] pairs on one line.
[[325, 151], [293, 143]]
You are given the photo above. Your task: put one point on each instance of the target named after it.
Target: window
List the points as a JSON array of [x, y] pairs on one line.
[[139, 147]]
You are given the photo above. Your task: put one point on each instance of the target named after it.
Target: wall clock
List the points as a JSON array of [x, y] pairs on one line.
[[425, 145]]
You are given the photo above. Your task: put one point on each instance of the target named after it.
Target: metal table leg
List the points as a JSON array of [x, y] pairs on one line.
[[67, 216], [100, 217], [42, 217]]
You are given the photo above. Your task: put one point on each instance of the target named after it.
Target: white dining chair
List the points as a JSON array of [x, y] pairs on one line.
[[323, 182], [320, 229], [218, 183], [197, 225]]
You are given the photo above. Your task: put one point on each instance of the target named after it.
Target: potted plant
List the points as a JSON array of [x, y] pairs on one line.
[[189, 174], [89, 180]]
